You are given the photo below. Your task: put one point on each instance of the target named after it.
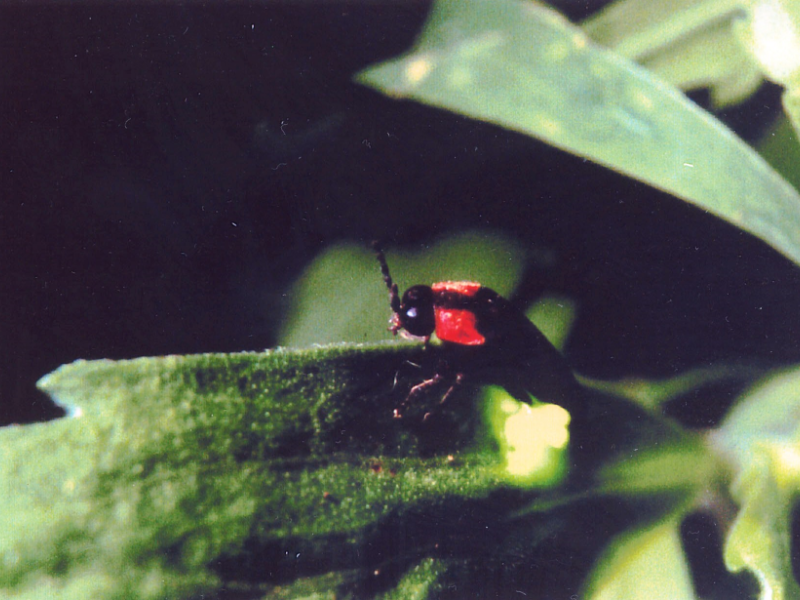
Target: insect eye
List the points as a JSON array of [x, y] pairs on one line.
[[416, 311]]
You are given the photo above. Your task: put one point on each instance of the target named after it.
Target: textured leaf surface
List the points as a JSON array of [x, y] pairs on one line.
[[284, 474], [171, 465], [520, 65]]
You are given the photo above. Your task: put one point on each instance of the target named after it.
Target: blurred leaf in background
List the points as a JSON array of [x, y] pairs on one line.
[[522, 66], [176, 476], [729, 46], [780, 148], [761, 438], [646, 563], [770, 32], [554, 316], [689, 43]]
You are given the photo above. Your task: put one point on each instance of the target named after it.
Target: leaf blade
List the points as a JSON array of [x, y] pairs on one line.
[[175, 463], [645, 563], [522, 66]]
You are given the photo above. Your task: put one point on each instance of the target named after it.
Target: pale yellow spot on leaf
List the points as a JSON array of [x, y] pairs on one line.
[[418, 69], [786, 459], [643, 100], [549, 126], [557, 52], [579, 40]]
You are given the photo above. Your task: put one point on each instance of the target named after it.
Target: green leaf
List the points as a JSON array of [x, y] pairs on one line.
[[760, 539], [769, 411], [282, 473], [761, 439], [689, 43], [780, 148], [258, 465], [420, 582], [654, 394], [554, 316], [684, 467], [644, 564], [520, 65]]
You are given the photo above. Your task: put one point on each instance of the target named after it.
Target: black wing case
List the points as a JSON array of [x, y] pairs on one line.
[[516, 354]]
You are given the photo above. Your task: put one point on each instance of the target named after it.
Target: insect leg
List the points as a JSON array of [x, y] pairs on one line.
[[417, 390]]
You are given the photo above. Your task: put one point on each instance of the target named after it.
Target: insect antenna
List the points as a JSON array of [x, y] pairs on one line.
[[394, 296]]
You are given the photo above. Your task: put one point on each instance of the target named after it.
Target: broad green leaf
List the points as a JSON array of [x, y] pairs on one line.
[[647, 563], [761, 439], [520, 65], [729, 46], [280, 473], [176, 475], [341, 295]]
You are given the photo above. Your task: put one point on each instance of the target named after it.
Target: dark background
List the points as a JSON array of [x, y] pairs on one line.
[[167, 171]]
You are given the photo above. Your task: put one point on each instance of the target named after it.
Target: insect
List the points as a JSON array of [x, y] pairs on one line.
[[484, 337]]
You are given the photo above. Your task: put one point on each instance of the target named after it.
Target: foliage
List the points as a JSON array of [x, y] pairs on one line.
[[505, 62], [283, 474]]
